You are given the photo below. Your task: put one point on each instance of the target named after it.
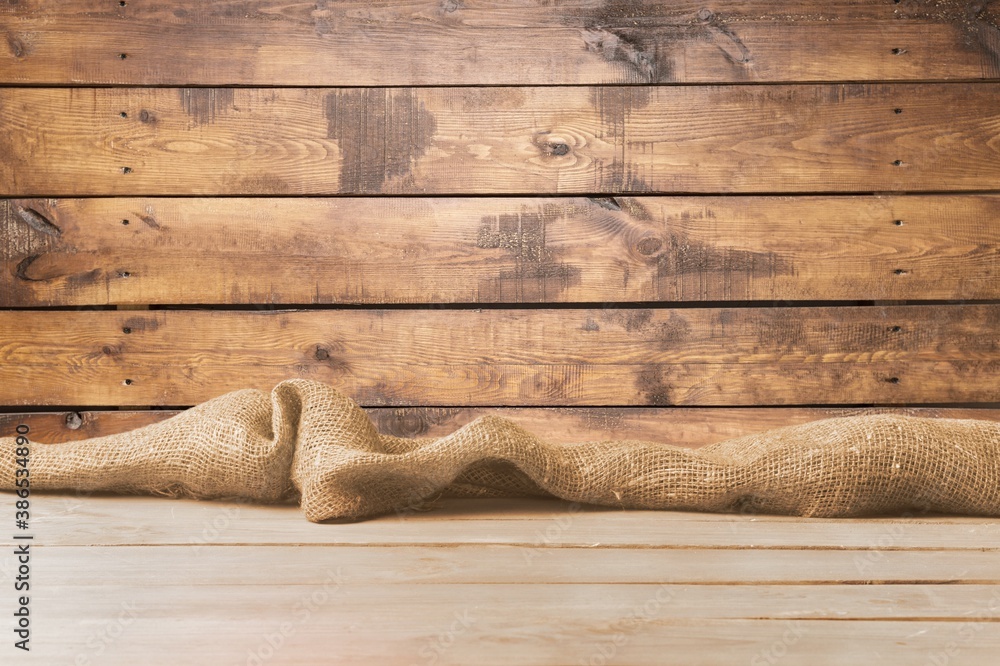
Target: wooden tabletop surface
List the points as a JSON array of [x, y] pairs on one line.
[[151, 580]]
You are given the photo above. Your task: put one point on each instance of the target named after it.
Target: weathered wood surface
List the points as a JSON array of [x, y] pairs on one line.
[[470, 42], [712, 139], [560, 357], [510, 250], [674, 425], [122, 580], [490, 581]]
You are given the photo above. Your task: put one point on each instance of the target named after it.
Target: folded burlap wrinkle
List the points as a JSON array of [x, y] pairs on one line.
[[309, 442]]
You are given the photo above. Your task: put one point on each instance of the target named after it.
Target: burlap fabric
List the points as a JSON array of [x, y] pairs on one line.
[[307, 441]]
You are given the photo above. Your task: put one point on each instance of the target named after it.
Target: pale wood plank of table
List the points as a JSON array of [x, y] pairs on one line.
[[72, 520], [467, 584]]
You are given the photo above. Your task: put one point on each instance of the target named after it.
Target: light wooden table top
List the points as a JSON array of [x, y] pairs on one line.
[[142, 580]]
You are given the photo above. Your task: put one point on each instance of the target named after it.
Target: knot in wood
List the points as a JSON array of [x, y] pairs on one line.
[[74, 420], [649, 246], [412, 425], [558, 149]]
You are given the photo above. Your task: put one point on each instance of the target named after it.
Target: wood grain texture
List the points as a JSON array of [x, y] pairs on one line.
[[72, 519], [713, 139], [242, 604], [281, 102], [225, 565], [475, 42], [221, 582], [519, 630], [489, 250], [675, 425], [702, 356]]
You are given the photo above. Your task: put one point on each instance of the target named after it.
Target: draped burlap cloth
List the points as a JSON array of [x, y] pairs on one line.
[[307, 441]]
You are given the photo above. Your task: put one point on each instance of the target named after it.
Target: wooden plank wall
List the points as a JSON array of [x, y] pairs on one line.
[[662, 220]]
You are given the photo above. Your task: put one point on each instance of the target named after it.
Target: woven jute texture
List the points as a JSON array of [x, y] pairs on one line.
[[307, 441]]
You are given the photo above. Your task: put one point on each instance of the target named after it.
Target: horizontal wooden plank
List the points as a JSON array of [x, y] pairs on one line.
[[200, 564], [548, 629], [684, 426], [434, 42], [400, 382], [722, 139], [513, 250], [368, 604], [223, 621], [81, 519], [710, 356]]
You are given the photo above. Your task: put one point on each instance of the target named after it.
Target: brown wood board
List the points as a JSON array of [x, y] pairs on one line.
[[497, 250], [579, 357], [615, 139], [473, 42], [684, 426]]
